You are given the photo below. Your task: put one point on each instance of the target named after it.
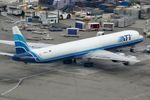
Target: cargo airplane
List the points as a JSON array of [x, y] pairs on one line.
[[91, 48]]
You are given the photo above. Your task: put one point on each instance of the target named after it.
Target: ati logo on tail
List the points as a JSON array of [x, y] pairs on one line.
[[125, 38]]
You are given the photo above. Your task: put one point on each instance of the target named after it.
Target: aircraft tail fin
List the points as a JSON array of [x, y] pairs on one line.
[[20, 43]]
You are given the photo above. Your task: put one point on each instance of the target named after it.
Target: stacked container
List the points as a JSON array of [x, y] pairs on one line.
[[145, 12], [80, 25]]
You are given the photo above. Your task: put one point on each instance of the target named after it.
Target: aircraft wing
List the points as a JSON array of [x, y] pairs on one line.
[[6, 54], [107, 55], [32, 45]]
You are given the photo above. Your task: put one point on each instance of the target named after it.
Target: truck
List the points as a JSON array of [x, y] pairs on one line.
[[46, 17], [147, 49], [14, 10], [62, 15]]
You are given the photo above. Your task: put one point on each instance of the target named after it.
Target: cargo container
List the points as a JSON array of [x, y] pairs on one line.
[[145, 9], [80, 25], [115, 21], [145, 12], [135, 13], [145, 16], [107, 16], [29, 20], [126, 21], [72, 32], [109, 8], [124, 3], [94, 26], [103, 6], [108, 26], [121, 23]]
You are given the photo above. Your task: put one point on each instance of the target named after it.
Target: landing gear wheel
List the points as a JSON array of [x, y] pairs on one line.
[[26, 63], [126, 63], [61, 17], [67, 61], [68, 16], [131, 49], [74, 61], [88, 64], [114, 61]]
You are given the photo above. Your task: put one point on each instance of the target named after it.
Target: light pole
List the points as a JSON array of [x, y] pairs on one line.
[[57, 10]]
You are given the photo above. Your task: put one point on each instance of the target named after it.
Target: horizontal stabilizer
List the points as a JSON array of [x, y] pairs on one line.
[[6, 54]]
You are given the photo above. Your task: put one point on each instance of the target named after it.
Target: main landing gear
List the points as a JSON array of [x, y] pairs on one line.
[[87, 63], [26, 63], [126, 63], [132, 49], [69, 61]]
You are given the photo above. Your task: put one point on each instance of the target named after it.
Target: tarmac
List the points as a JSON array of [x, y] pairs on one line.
[[56, 81]]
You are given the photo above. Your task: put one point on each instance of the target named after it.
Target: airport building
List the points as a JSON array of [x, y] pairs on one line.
[[46, 2], [58, 3]]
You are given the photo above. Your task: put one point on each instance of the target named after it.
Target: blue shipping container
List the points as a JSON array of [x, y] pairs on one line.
[[79, 25], [103, 6], [106, 7], [29, 20], [109, 10], [124, 3], [72, 31]]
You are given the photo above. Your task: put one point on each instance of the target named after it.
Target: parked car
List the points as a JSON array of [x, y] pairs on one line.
[[148, 49]]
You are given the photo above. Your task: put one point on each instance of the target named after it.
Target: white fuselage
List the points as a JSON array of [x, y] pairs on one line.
[[79, 47]]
